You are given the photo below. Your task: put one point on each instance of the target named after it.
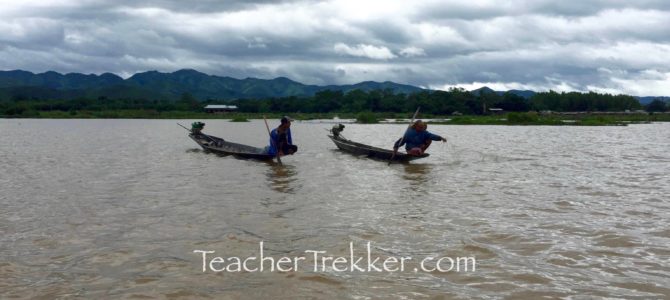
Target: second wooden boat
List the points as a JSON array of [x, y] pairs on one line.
[[220, 146], [367, 150]]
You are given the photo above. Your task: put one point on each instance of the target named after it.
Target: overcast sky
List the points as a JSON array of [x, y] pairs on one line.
[[617, 46]]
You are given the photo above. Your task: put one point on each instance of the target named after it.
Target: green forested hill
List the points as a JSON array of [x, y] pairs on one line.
[[168, 86]]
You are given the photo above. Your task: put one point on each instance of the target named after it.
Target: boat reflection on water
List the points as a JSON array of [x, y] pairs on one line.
[[418, 176], [282, 177], [416, 172]]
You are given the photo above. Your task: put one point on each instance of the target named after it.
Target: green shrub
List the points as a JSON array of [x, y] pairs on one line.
[[31, 113], [521, 118], [239, 119], [366, 117]]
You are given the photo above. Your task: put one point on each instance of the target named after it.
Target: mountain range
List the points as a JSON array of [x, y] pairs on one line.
[[157, 85], [528, 93], [485, 90]]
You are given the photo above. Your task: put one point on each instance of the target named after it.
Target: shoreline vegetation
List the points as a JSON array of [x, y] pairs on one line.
[[511, 118], [456, 106]]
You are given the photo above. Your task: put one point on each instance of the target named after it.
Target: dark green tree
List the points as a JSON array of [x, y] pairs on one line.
[[657, 106], [188, 102]]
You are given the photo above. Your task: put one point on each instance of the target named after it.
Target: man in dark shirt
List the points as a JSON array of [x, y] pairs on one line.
[[281, 141], [417, 139]]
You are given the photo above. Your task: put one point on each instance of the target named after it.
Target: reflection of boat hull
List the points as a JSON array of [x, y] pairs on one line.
[[370, 151], [220, 146]]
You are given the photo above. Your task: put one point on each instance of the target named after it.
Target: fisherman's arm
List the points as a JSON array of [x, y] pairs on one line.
[[402, 141], [399, 143], [436, 137]]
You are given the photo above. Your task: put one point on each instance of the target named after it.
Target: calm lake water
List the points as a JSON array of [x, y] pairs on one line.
[[115, 208]]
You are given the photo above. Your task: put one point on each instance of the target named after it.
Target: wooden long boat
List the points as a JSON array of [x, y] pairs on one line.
[[367, 150], [218, 145]]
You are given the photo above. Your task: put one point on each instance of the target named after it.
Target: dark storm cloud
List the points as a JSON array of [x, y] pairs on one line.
[[614, 46]]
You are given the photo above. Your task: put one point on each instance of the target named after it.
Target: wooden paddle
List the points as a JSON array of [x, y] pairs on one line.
[[271, 140], [403, 135]]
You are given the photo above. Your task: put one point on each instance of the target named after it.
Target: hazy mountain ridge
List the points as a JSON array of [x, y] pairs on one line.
[[158, 85], [155, 84], [648, 99], [527, 94]]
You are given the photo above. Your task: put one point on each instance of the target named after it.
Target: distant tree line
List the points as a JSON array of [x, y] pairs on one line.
[[25, 106], [440, 102], [431, 102]]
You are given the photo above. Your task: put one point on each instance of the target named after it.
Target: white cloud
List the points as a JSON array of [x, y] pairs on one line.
[[612, 45], [362, 50], [646, 82], [412, 52]]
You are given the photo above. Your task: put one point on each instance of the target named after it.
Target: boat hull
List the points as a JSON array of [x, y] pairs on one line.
[[370, 151], [220, 146]]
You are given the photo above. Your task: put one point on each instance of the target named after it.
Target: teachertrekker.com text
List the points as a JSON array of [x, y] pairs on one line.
[[322, 261]]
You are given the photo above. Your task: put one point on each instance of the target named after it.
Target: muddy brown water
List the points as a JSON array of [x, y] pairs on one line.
[[115, 208]]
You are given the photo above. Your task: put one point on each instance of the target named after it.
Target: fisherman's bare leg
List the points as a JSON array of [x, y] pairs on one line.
[[425, 145]]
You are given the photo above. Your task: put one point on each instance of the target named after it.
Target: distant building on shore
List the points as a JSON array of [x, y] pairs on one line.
[[496, 111], [215, 108]]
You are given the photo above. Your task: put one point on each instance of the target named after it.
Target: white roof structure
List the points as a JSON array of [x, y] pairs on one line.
[[214, 106]]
